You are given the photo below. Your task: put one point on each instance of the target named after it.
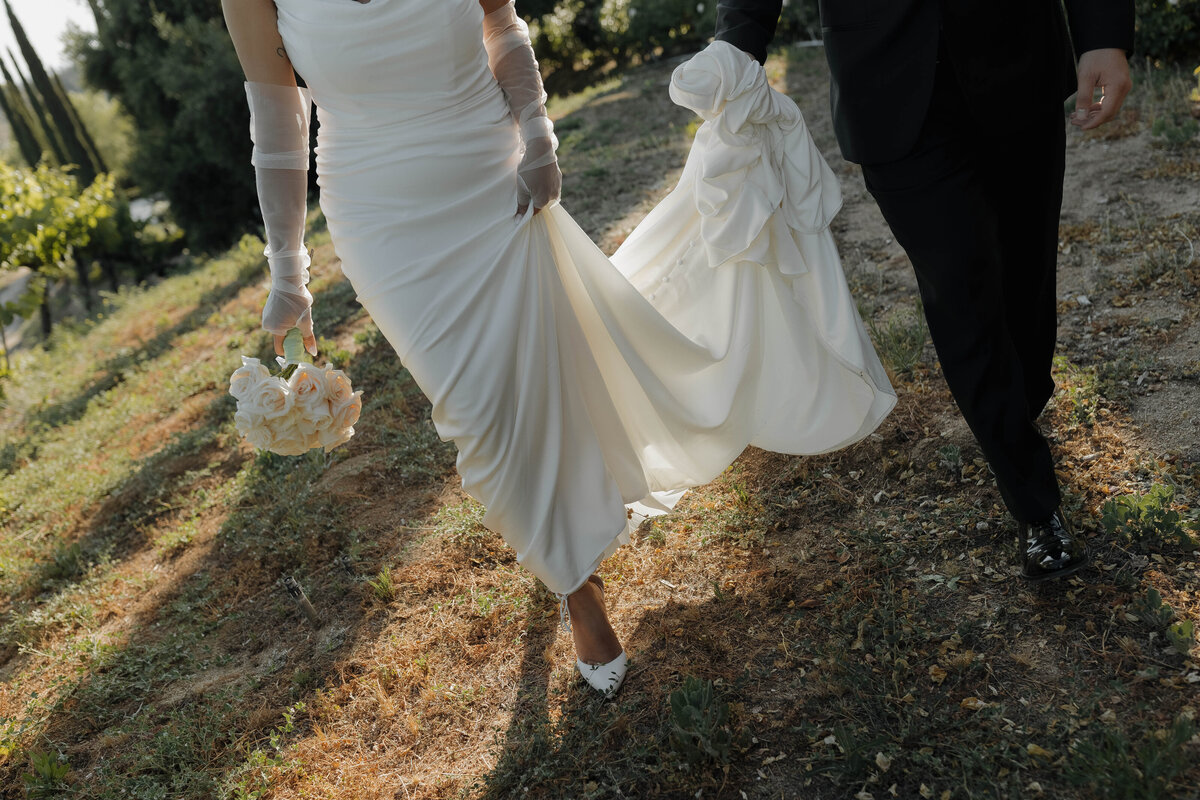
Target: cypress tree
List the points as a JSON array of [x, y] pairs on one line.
[[72, 143], [88, 141], [18, 120], [49, 134]]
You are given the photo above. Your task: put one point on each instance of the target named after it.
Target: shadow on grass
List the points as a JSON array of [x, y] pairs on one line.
[[880, 644], [113, 369], [215, 655]]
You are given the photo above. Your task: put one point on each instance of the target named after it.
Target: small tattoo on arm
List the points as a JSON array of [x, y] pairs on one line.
[[279, 51]]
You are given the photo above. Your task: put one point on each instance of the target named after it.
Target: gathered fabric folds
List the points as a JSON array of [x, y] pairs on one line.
[[582, 392]]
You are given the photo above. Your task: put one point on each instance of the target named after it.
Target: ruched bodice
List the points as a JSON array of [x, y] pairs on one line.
[[576, 387]]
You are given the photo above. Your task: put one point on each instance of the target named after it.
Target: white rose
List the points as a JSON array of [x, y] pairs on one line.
[[310, 403], [337, 386], [269, 398], [290, 438], [335, 436], [246, 377], [308, 384], [346, 413], [255, 430]]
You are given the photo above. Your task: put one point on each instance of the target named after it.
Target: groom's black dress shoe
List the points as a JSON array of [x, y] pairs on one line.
[[1050, 549]]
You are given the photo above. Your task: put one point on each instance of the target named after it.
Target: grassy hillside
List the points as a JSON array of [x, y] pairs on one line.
[[854, 619]]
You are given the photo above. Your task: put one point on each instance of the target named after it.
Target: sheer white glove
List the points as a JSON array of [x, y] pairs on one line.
[[510, 56], [279, 129]]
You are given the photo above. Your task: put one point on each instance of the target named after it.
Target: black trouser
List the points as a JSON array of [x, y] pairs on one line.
[[977, 212]]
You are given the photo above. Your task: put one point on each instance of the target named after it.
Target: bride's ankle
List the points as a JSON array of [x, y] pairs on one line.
[[595, 640]]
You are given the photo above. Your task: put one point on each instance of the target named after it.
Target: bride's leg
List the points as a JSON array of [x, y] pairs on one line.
[[595, 640]]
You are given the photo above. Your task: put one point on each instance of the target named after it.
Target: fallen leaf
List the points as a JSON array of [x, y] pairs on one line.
[[973, 704], [937, 674], [1036, 750], [882, 761]]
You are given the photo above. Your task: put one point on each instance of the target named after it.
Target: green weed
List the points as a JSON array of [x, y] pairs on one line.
[[382, 586], [1182, 635], [900, 339], [1175, 129], [1111, 765], [49, 777], [252, 779], [1080, 391], [950, 458], [1151, 609], [700, 725], [1147, 519]]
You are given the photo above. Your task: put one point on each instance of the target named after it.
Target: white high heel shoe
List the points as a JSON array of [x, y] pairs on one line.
[[604, 678]]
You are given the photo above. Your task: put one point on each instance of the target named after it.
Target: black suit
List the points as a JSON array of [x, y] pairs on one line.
[[954, 108], [882, 55]]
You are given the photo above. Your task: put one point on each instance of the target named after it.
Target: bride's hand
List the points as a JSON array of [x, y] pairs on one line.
[[540, 180], [285, 311]]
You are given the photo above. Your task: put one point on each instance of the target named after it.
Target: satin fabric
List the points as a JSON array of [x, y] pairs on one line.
[[582, 393]]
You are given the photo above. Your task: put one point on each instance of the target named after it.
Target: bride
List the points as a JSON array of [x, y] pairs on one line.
[[583, 393]]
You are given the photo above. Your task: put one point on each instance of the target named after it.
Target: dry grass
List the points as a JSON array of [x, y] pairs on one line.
[[857, 613]]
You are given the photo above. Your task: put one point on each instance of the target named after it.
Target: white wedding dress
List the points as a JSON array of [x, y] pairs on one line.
[[575, 386]]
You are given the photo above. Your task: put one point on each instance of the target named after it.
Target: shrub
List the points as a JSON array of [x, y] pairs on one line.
[[1168, 29], [670, 25], [1146, 518], [573, 35]]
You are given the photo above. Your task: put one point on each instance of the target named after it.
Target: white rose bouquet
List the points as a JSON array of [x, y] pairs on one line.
[[301, 407]]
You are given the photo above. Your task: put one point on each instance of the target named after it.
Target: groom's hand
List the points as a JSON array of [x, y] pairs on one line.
[[1107, 69]]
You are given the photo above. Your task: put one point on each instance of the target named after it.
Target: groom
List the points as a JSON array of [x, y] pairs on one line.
[[954, 110]]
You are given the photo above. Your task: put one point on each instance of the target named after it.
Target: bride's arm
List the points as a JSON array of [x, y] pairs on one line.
[[279, 114], [511, 58], [254, 29]]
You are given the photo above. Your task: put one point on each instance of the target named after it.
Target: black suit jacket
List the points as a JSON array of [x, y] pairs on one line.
[[882, 53]]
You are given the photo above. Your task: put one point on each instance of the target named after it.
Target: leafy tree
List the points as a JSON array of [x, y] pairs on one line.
[[172, 66], [44, 219]]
